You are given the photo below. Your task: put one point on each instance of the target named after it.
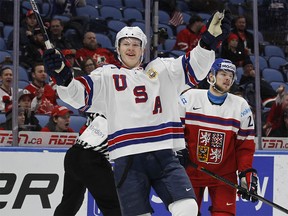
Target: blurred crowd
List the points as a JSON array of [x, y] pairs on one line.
[[76, 37]]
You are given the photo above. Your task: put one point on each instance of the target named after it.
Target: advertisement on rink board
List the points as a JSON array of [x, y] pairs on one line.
[[31, 183], [38, 139], [54, 139]]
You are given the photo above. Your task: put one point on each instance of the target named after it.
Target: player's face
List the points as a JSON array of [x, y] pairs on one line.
[[224, 80], [130, 51]]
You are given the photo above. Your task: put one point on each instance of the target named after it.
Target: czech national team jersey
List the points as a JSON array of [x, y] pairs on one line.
[[213, 132], [141, 104]]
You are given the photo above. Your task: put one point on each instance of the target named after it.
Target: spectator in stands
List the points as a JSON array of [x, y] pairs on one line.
[[91, 48], [34, 50], [26, 31], [276, 113], [70, 57], [44, 95], [6, 77], [233, 52], [56, 35], [246, 40], [188, 38], [88, 65], [162, 37], [282, 131], [7, 125], [247, 84], [59, 120], [24, 100]]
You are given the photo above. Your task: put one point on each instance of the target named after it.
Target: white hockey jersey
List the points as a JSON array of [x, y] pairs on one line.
[[141, 104]]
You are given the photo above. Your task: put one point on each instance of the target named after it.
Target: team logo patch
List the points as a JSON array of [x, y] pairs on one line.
[[152, 74], [210, 146]]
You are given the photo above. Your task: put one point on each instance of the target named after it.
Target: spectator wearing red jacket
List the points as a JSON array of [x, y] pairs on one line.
[[44, 95], [59, 120], [276, 113], [91, 48], [188, 38]]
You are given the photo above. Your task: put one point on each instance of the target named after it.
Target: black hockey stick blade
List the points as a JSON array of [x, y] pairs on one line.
[[238, 187], [41, 25]]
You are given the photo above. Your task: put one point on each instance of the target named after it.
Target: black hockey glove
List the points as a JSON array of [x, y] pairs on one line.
[[57, 67], [248, 179], [183, 157], [218, 29]]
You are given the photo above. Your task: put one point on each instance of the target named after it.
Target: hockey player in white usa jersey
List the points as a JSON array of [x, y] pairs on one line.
[[219, 131], [141, 105]]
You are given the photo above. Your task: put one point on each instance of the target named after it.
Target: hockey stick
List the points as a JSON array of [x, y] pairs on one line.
[[44, 32], [41, 25], [238, 187]]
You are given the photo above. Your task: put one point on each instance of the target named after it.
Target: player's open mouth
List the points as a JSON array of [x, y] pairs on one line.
[[227, 83]]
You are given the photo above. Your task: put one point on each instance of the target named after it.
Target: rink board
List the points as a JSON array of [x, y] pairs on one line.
[[31, 183]]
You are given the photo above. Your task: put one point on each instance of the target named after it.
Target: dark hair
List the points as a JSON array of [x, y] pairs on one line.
[[57, 19], [35, 65], [194, 18], [51, 125], [4, 68], [239, 17], [84, 61]]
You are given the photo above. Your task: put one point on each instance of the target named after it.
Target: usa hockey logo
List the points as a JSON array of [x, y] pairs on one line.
[[210, 146]]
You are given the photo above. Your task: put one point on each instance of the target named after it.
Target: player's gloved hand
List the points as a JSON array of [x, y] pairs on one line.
[[57, 67], [183, 157], [248, 179], [218, 29]]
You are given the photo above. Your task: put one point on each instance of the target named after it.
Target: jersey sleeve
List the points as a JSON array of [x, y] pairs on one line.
[[200, 62], [190, 68], [82, 91], [245, 145]]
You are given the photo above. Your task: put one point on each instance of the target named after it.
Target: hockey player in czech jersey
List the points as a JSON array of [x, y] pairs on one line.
[[219, 131]]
